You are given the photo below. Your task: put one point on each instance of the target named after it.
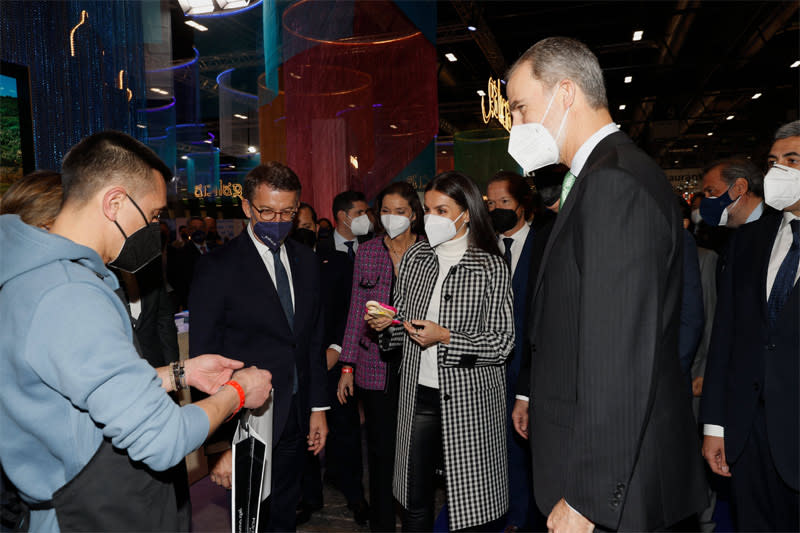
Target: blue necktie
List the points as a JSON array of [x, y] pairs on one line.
[[508, 241], [784, 281], [285, 295], [350, 252]]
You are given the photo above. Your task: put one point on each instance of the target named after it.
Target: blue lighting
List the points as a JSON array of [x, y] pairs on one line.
[[162, 108], [229, 11], [180, 65], [230, 89]]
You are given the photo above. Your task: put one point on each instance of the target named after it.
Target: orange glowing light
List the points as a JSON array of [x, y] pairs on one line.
[[84, 18]]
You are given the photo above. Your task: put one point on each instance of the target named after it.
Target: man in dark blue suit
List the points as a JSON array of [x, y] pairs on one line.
[[258, 297], [510, 203], [751, 406]]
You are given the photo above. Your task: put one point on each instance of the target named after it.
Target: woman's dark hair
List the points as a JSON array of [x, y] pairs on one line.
[[465, 193], [409, 194]]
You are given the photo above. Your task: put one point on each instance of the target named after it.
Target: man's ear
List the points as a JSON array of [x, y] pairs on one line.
[[112, 201], [246, 207], [567, 92], [742, 186]]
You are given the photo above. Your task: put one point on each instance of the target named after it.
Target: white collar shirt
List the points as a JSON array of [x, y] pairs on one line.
[[269, 260], [516, 247], [340, 241], [579, 160]]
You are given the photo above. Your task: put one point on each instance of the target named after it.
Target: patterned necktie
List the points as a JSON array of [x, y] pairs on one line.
[[566, 186], [350, 252], [508, 241], [285, 295], [784, 281]]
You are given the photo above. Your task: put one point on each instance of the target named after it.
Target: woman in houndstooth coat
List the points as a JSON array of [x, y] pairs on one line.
[[454, 294]]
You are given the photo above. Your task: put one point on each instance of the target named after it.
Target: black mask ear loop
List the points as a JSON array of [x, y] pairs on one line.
[[140, 212]]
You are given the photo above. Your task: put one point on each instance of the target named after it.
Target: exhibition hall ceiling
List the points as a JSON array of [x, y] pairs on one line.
[[702, 80]]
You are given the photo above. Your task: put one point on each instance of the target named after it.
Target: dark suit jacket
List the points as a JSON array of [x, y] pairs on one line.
[[235, 311], [336, 279], [180, 269], [611, 427], [155, 326], [748, 359], [692, 318]]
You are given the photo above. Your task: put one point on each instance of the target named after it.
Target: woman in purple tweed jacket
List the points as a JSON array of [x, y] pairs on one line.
[[374, 274]]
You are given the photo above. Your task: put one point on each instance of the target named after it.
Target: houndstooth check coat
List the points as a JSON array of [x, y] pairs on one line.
[[476, 307]]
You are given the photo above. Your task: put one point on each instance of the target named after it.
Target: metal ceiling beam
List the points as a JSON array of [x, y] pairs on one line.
[[220, 62], [469, 13]]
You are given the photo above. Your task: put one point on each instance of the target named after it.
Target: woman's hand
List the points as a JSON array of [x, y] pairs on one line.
[[427, 333], [378, 323], [345, 387]]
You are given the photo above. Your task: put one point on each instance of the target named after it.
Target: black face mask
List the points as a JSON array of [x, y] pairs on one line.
[[550, 195], [305, 236], [140, 247], [503, 219]]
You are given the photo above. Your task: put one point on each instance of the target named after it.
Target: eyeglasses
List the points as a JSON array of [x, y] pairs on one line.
[[268, 215]]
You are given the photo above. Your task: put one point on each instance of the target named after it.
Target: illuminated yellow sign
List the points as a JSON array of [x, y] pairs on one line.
[[498, 106], [228, 189]]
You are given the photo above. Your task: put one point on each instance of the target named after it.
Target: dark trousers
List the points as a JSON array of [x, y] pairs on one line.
[[425, 455], [343, 463], [761, 500], [288, 454], [380, 417]]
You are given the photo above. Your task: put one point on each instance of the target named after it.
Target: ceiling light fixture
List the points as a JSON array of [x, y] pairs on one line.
[[393, 126], [239, 115], [184, 157], [628, 79], [252, 149], [637, 35], [622, 107], [158, 91], [729, 117], [196, 7], [710, 133], [451, 57], [756, 96], [481, 93], [618, 126], [795, 64], [233, 4], [195, 25], [472, 28]]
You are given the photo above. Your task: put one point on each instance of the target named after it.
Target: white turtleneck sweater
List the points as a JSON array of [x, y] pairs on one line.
[[448, 254]]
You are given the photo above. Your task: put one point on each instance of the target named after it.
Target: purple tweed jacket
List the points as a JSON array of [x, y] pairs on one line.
[[372, 280]]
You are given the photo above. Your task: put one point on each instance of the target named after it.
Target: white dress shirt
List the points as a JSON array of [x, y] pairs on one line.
[[339, 241], [448, 254], [269, 262], [516, 247], [783, 240]]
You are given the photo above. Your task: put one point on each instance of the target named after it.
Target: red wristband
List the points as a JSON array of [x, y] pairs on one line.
[[239, 391], [347, 370]]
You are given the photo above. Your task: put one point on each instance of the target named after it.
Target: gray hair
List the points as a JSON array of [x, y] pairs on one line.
[[792, 129], [734, 168], [557, 58]]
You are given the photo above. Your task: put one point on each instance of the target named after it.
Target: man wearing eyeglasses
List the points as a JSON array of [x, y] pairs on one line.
[[257, 297]]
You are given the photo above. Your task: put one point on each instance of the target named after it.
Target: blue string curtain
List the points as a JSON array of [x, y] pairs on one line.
[[86, 68]]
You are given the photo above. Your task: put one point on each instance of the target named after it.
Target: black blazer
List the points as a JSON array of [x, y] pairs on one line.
[[155, 326], [336, 280], [748, 359], [235, 311], [611, 426]]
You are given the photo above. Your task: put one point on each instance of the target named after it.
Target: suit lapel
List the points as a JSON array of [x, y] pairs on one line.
[[577, 191]]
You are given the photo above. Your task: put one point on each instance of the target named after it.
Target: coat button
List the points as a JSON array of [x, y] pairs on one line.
[[446, 397], [447, 297]]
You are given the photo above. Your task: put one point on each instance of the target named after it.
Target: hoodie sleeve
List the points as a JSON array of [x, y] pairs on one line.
[[79, 345]]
